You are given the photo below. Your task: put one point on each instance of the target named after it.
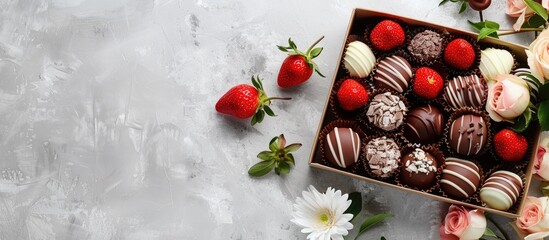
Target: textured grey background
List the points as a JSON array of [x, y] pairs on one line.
[[108, 128]]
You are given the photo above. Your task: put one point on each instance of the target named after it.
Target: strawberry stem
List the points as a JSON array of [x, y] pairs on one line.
[[312, 46], [264, 101]]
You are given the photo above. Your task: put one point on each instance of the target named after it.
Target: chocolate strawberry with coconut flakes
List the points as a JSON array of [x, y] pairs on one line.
[[298, 66], [245, 101]]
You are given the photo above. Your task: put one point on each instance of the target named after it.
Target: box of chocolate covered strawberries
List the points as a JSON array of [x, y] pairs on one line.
[[407, 110]]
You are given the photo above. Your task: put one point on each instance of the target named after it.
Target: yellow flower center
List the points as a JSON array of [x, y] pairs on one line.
[[326, 217]]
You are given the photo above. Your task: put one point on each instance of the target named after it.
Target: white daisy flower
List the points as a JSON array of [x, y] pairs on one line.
[[322, 214]]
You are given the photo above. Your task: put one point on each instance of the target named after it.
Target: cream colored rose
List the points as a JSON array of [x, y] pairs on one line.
[[538, 56], [507, 98], [534, 218]]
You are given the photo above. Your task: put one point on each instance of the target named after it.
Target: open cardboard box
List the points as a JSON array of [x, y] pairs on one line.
[[360, 16]]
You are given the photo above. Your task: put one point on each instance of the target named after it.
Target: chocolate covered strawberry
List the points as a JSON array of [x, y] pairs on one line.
[[351, 95], [298, 66], [245, 101], [459, 54], [510, 146], [387, 35], [427, 83]]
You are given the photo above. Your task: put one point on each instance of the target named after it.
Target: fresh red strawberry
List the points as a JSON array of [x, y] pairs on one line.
[[298, 66], [427, 83], [510, 146], [387, 35], [459, 54], [351, 95], [245, 101]]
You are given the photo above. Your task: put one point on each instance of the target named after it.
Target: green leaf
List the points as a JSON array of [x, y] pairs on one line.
[[258, 79], [478, 25], [260, 116], [371, 221], [269, 111], [281, 48], [265, 155], [283, 168], [289, 158], [315, 52], [534, 22], [254, 119], [537, 8], [261, 168], [463, 7], [292, 44], [523, 121], [544, 92], [273, 144], [443, 2], [491, 24], [543, 115], [483, 28], [315, 67], [356, 204], [292, 147], [255, 83], [489, 233], [277, 169], [485, 32]]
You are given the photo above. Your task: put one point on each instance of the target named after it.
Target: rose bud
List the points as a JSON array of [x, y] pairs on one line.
[[507, 98]]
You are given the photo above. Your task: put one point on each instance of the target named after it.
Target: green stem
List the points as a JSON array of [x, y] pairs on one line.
[[511, 31], [312, 46]]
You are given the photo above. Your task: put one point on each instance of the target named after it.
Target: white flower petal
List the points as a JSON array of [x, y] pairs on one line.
[[321, 215]]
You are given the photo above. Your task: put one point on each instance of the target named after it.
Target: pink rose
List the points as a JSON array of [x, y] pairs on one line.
[[534, 217], [461, 223], [517, 8], [541, 165], [538, 56], [446, 236], [507, 98]]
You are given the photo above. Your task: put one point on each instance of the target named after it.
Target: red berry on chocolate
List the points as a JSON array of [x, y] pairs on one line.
[[459, 54], [298, 66], [427, 83], [387, 35], [244, 101], [351, 95], [510, 146]]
